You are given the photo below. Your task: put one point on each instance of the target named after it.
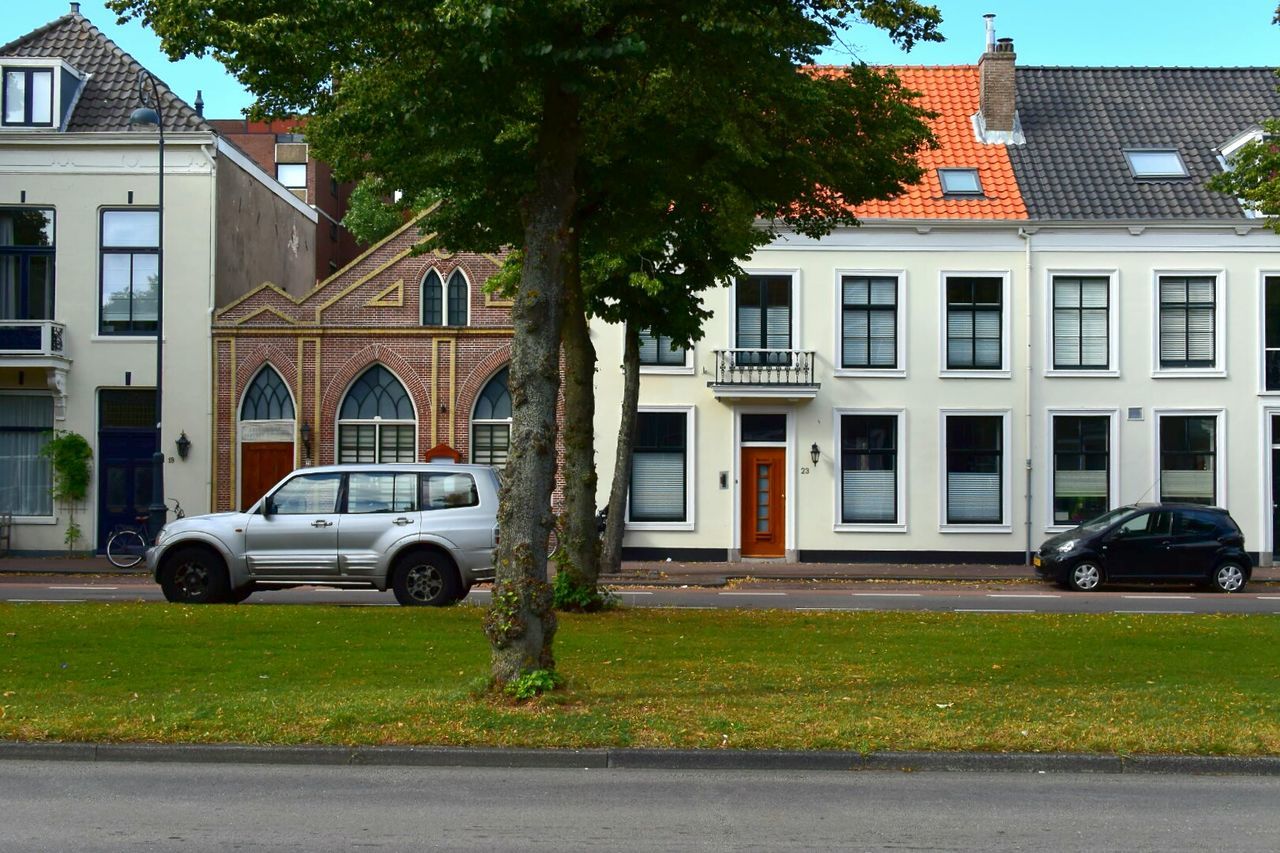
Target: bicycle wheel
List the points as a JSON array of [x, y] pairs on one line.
[[553, 542], [125, 548]]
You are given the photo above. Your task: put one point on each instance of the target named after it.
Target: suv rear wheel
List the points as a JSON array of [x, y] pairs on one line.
[[423, 578]]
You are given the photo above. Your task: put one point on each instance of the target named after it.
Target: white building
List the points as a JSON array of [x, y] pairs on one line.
[[79, 256], [1060, 319]]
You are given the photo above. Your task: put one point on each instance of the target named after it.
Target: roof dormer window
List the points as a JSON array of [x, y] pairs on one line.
[[960, 182], [1155, 163], [28, 97]]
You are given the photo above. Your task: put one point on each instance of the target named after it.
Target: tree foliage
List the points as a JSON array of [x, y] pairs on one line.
[[370, 216], [1254, 174]]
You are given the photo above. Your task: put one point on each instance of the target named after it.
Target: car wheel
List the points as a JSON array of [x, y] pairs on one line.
[[424, 578], [1228, 577], [194, 576], [1085, 576]]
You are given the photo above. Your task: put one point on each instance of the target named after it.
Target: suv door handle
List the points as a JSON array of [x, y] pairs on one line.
[[320, 522], [402, 521]]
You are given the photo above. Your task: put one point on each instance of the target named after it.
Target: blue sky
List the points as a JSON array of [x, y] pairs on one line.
[[1077, 32]]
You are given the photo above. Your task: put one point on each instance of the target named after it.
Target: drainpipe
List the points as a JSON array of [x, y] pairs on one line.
[[1026, 238]]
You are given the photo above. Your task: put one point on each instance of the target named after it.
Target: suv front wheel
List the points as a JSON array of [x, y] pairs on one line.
[[194, 576], [423, 578]]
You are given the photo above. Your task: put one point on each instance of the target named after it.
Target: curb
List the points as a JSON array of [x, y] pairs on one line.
[[643, 759]]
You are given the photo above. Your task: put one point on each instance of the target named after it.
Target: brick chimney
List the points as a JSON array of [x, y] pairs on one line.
[[997, 119]]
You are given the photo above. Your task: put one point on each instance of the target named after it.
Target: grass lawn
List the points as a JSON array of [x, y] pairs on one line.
[[738, 679]]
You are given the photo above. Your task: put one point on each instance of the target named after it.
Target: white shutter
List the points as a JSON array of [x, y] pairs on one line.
[[749, 327], [778, 327], [855, 291], [1200, 290], [1200, 334], [869, 497], [884, 291], [1173, 334], [855, 333], [1066, 293], [973, 498], [657, 486], [648, 347], [1093, 293], [1187, 485], [1173, 291], [1066, 338], [1080, 484], [883, 343]]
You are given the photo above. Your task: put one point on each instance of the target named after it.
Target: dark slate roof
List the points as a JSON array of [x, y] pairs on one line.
[[1078, 121], [111, 93]]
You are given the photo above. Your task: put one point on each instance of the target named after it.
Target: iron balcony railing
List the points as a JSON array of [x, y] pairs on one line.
[[770, 367], [32, 337]]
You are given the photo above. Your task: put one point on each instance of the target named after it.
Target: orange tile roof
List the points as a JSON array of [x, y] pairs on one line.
[[952, 92]]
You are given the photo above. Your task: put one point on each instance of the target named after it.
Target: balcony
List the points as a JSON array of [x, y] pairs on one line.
[[764, 374], [33, 343]]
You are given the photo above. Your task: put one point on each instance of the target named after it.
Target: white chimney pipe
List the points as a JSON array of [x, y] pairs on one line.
[[990, 18]]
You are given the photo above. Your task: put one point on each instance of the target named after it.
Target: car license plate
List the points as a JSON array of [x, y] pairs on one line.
[[1035, 561]]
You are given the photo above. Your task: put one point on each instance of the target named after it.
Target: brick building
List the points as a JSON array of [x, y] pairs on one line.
[[281, 149], [390, 357]]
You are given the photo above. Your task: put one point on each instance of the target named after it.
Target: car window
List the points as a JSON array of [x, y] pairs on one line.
[[1161, 524], [441, 490], [1202, 525], [1106, 519], [382, 491], [1135, 526], [307, 494]]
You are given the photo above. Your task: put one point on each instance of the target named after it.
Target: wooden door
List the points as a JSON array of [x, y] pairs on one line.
[[764, 501], [262, 465]]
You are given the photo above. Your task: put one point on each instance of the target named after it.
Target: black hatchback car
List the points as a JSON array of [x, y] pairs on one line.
[[1178, 543]]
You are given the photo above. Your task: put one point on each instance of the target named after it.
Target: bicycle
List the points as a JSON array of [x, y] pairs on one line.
[[553, 538], [127, 544]]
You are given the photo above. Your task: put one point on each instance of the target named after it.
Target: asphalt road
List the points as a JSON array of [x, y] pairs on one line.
[[130, 806], [985, 597]]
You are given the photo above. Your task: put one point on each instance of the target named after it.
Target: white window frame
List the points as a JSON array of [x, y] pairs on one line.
[[1113, 323], [690, 468], [1113, 460], [1006, 450], [792, 463], [1263, 275], [794, 274], [1219, 368], [899, 526], [1156, 176], [1219, 448], [664, 369], [899, 372], [57, 66], [1006, 326]]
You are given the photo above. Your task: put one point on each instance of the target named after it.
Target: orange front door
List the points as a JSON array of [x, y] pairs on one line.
[[764, 501], [262, 465]]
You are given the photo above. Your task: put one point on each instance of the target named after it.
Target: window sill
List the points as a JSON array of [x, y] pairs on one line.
[[641, 526], [1191, 373], [1082, 374], [975, 528], [870, 373], [848, 527], [667, 370], [148, 339], [975, 374], [35, 519]]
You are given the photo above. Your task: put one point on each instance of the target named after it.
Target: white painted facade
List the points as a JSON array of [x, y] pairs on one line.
[[1024, 393]]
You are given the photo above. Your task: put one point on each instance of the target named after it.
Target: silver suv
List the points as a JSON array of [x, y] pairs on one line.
[[426, 530]]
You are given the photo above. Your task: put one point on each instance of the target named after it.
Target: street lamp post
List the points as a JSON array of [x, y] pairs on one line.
[[147, 115]]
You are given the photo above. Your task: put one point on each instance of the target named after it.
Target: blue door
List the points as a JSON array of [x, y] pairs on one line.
[[126, 443]]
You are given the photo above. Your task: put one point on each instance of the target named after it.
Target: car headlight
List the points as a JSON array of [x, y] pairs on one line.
[[1067, 547]]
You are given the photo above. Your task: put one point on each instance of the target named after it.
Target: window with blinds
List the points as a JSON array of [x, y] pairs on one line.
[[1187, 321], [974, 323], [869, 469], [1081, 467], [1271, 338], [659, 351], [367, 420], [1080, 326], [975, 469], [1188, 458], [491, 422], [658, 467], [763, 319], [26, 474], [869, 321]]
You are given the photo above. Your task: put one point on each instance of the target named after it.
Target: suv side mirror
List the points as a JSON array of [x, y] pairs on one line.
[[268, 507]]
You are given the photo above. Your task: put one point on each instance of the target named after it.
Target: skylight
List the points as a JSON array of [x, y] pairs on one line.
[[960, 182], [1155, 163]]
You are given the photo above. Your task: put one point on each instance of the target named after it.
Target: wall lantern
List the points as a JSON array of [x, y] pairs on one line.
[[306, 438], [184, 445], [814, 453]]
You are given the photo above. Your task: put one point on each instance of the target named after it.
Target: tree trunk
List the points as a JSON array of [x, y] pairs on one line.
[[520, 622], [611, 556], [580, 543]]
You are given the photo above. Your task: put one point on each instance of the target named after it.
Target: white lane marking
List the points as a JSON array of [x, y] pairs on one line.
[[988, 610], [1180, 612], [46, 601], [629, 592], [836, 609], [751, 593], [1158, 597], [1269, 597], [92, 588], [1021, 595], [889, 594]]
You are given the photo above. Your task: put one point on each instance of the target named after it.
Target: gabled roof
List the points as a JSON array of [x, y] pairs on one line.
[[111, 92], [952, 93], [1079, 121]]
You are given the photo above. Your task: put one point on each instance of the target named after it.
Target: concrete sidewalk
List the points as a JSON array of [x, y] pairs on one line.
[[671, 573]]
